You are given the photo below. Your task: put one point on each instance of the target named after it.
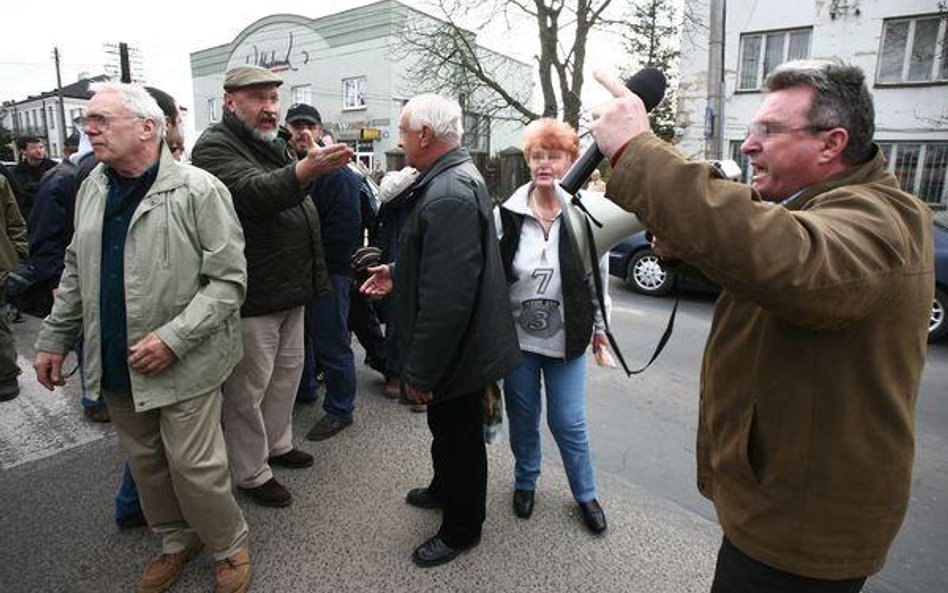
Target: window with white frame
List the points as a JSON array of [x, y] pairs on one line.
[[213, 110], [74, 114], [476, 132], [302, 94], [353, 93], [51, 118], [762, 52], [741, 159], [922, 169], [914, 50]]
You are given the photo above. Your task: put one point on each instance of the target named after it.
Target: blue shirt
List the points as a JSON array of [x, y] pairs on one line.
[[125, 195]]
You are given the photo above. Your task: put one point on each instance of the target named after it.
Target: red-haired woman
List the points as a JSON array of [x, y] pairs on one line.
[[556, 314]]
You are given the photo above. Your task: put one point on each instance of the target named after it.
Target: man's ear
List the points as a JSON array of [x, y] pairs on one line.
[[425, 136], [148, 128], [835, 142]]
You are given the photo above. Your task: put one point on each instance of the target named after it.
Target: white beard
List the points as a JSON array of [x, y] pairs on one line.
[[265, 136]]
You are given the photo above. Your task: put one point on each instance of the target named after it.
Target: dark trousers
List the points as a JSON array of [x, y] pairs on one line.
[[737, 572], [364, 323], [460, 467]]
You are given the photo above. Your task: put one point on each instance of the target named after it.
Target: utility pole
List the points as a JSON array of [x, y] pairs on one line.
[[714, 112], [124, 66], [59, 98], [127, 66]]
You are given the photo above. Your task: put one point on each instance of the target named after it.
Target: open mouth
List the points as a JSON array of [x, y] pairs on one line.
[[759, 170]]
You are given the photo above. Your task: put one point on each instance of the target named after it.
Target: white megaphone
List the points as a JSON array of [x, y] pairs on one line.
[[614, 223], [610, 224]]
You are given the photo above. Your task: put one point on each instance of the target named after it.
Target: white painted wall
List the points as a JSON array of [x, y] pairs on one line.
[[902, 113]]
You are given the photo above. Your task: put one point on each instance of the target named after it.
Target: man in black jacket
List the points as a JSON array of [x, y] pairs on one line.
[[29, 172], [453, 317], [326, 336], [248, 152]]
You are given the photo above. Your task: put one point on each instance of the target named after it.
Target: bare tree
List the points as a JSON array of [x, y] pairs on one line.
[[447, 57]]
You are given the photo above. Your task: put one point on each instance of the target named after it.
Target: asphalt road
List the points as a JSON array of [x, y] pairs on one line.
[[643, 429], [58, 474]]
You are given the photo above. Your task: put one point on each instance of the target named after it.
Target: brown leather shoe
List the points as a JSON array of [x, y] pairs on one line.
[[97, 413], [164, 570], [233, 574], [392, 388]]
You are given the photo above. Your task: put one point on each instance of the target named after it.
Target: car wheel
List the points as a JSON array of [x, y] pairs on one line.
[[646, 275], [937, 325]]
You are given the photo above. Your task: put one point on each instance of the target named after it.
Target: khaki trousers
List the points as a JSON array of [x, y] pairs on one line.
[[177, 457], [259, 394]]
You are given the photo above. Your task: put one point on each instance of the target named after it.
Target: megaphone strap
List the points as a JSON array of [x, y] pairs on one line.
[[600, 297], [579, 204]]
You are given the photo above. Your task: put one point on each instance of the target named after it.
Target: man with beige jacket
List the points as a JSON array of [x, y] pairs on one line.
[[154, 278]]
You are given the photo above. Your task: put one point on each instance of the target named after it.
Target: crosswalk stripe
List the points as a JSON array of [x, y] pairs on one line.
[[39, 424]]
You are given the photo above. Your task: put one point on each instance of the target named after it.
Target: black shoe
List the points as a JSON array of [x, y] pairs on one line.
[[422, 498], [269, 494], [9, 389], [133, 521], [293, 459], [593, 516], [97, 413], [434, 552], [326, 427], [523, 503]]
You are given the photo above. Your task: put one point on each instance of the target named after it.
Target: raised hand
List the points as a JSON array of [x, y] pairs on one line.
[[620, 120]]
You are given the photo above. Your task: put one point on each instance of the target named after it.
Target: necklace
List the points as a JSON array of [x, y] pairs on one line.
[[535, 208]]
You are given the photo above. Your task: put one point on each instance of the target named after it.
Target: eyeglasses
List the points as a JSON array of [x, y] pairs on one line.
[[102, 122], [764, 130]]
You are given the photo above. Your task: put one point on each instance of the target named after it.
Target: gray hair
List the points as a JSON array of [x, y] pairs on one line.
[[442, 115], [840, 100], [137, 100]]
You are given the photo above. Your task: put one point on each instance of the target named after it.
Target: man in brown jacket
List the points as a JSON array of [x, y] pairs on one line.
[[810, 373]]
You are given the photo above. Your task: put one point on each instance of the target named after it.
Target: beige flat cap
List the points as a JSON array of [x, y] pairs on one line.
[[249, 75]]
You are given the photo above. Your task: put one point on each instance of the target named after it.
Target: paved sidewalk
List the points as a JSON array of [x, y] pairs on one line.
[[349, 528]]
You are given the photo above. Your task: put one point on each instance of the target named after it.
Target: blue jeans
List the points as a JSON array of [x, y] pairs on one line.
[[307, 391], [327, 324], [565, 383], [126, 501]]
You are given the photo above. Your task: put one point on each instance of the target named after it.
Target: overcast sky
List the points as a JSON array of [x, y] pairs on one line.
[[165, 33]]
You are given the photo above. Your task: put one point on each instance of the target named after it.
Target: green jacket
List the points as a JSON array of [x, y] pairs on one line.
[[185, 279], [285, 264], [13, 245], [810, 373]]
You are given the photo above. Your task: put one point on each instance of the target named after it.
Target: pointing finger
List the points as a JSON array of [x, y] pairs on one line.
[[612, 84]]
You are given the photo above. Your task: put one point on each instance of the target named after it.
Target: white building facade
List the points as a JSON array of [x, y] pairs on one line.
[[901, 46], [38, 115], [350, 66]]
